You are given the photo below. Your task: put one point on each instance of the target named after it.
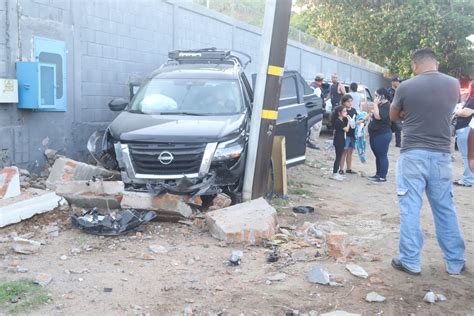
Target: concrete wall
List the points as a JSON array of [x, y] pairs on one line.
[[109, 43]]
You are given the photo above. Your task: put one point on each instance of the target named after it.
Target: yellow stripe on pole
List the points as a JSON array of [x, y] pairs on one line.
[[275, 71], [269, 114]]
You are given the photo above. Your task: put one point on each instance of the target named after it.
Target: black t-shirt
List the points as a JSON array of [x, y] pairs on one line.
[[339, 134], [377, 127], [462, 122], [350, 112]]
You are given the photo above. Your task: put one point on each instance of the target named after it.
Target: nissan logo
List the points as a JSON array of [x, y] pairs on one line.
[[166, 158]]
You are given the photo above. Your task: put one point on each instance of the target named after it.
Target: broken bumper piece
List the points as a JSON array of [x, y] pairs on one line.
[[113, 224], [194, 186]]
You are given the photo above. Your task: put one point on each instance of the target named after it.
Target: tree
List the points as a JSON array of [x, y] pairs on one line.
[[388, 31]]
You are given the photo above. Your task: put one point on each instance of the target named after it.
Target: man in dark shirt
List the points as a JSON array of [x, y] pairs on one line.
[[336, 91], [426, 103]]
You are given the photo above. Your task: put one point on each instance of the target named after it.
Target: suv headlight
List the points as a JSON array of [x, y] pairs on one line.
[[230, 149]]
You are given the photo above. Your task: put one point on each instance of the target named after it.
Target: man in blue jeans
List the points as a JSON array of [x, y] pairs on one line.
[[426, 103]]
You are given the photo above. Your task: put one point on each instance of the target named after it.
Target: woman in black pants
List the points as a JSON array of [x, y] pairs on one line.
[[340, 130], [380, 134]]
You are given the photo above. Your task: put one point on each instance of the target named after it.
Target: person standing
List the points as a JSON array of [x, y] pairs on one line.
[[355, 96], [463, 118], [336, 91], [396, 126], [315, 130], [426, 103], [380, 134], [349, 144], [340, 130]]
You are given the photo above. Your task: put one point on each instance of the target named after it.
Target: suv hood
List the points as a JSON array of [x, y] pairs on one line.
[[133, 127]]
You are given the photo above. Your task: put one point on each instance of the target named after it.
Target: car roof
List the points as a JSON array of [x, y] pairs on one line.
[[198, 71]]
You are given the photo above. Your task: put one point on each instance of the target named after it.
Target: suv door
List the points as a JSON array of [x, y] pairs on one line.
[[292, 121], [313, 103]]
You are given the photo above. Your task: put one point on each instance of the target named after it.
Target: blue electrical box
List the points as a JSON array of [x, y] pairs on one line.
[[42, 83]]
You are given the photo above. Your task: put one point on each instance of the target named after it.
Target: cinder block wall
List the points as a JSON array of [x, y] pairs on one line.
[[109, 43]]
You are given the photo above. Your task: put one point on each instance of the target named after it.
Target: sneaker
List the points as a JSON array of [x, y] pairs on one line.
[[379, 180], [341, 172], [373, 178], [460, 183], [349, 171], [337, 177], [397, 264]]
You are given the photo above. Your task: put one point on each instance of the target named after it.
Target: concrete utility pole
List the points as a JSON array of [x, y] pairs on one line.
[[267, 94]]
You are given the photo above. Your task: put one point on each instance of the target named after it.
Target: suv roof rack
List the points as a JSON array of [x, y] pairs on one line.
[[210, 55]]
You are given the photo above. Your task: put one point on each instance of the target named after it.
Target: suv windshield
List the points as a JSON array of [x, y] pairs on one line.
[[188, 96]]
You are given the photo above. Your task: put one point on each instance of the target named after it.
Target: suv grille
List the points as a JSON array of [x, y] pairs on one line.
[[186, 158]]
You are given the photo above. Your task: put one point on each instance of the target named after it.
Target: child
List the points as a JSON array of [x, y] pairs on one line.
[[360, 133], [349, 145], [340, 130]]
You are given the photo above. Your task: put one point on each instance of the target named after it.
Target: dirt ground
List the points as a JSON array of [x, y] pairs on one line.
[[194, 273]]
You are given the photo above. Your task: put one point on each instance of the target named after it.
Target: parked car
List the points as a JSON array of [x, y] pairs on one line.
[[366, 100], [186, 128]]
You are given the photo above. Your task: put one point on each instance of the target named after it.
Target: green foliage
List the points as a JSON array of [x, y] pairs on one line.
[[25, 294], [388, 31]]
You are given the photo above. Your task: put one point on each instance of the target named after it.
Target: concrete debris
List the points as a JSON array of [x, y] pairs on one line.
[[441, 298], [75, 251], [236, 258], [430, 297], [9, 182], [168, 206], [52, 231], [22, 270], [89, 194], [247, 223], [145, 256], [318, 275], [25, 246], [220, 201], [51, 155], [356, 270], [340, 313], [277, 277], [43, 279], [158, 249], [336, 243], [29, 203], [63, 257], [374, 297], [66, 170]]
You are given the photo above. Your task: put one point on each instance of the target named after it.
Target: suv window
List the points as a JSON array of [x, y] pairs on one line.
[[306, 89], [288, 88], [188, 96], [369, 96]]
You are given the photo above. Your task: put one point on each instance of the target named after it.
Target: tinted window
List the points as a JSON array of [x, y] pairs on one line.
[[306, 89], [369, 96], [198, 96], [288, 88]]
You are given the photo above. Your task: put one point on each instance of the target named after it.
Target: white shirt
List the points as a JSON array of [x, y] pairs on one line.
[[355, 100]]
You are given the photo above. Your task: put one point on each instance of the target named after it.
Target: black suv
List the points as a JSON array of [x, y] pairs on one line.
[[186, 128]]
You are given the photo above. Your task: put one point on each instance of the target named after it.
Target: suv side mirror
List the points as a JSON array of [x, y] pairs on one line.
[[118, 104]]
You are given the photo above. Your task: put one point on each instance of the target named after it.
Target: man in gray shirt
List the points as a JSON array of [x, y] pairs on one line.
[[426, 103]]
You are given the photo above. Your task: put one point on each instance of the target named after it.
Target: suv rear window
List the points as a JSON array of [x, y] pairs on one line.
[[188, 96]]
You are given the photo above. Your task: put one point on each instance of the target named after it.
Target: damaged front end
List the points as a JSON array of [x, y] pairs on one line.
[[177, 168]]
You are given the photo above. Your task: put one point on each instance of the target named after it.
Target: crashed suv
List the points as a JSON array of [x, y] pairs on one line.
[[186, 129]]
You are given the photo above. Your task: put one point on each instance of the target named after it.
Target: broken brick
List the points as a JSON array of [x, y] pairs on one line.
[[220, 201], [336, 243]]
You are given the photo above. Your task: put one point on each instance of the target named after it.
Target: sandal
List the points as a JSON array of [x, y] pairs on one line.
[[349, 171]]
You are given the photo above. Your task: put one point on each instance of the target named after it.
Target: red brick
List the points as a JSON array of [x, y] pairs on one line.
[[336, 243]]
